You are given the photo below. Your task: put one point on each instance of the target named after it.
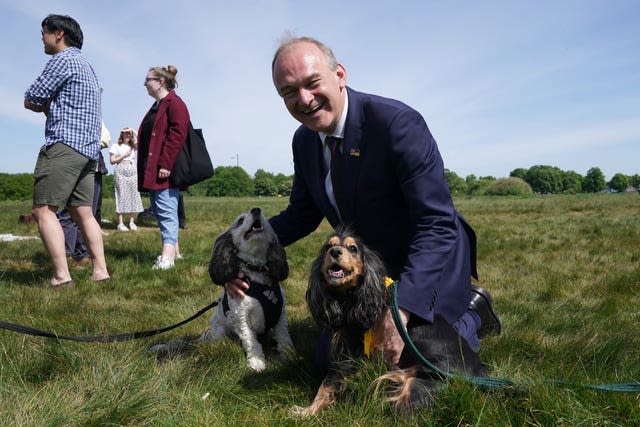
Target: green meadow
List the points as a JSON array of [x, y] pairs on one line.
[[564, 271]]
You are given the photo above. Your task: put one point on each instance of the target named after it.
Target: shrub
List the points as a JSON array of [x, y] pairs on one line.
[[511, 186]]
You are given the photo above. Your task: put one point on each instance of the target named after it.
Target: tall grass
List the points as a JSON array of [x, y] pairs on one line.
[[564, 272]]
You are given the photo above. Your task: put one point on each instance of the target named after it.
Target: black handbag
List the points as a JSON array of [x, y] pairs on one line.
[[193, 164]]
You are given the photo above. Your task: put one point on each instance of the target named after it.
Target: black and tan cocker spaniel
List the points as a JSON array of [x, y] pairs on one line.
[[347, 296]]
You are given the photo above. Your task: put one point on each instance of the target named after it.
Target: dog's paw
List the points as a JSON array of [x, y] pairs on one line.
[[257, 364], [300, 411]]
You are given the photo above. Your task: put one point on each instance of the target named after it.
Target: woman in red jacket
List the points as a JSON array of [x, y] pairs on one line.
[[162, 134]]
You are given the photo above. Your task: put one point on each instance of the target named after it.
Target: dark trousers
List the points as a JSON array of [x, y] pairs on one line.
[[182, 216], [73, 241]]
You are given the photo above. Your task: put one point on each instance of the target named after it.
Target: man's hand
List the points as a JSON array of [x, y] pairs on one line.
[[44, 108], [387, 338], [237, 287]]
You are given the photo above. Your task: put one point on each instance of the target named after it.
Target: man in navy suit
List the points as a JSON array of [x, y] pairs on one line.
[[393, 193]]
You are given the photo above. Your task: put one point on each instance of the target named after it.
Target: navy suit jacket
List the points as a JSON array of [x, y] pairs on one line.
[[397, 200]]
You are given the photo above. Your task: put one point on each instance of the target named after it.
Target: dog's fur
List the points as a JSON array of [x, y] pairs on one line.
[[251, 246], [346, 297]]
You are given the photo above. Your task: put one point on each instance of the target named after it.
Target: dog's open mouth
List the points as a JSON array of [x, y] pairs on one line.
[[256, 227], [336, 272]]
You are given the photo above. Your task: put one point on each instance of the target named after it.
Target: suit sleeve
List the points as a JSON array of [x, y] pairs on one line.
[[434, 249], [302, 216]]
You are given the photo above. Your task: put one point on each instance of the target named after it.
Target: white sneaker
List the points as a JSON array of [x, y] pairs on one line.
[[179, 256], [122, 227], [162, 263], [133, 226]]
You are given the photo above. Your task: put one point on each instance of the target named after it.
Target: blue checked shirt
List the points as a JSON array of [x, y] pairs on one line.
[[75, 113]]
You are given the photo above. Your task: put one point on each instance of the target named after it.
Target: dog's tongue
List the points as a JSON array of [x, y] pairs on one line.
[[336, 274]]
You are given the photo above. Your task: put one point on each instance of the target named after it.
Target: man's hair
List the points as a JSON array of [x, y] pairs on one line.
[[289, 41], [72, 33]]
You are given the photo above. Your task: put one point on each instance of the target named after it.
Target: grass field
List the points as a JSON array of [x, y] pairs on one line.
[[564, 272]]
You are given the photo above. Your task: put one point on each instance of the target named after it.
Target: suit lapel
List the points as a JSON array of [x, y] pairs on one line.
[[352, 148]]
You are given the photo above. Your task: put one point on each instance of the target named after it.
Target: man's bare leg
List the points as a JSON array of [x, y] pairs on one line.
[[53, 239]]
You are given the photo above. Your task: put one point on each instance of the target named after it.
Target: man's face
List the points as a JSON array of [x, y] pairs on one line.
[[50, 39], [312, 92]]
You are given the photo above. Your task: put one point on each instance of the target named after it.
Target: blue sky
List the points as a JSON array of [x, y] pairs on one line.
[[501, 84]]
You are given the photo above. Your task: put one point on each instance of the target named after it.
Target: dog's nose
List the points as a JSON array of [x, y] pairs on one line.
[[256, 212], [335, 252]]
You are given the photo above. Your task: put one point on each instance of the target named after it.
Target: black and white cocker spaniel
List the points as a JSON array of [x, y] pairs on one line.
[[251, 246], [347, 296]]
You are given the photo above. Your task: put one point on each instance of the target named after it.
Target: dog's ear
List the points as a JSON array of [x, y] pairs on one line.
[[224, 264], [369, 297], [277, 261], [324, 308]]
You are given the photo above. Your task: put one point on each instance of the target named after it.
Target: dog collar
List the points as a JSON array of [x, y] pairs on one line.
[[368, 335]]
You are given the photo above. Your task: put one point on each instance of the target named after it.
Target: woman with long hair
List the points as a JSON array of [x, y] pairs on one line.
[[123, 155]]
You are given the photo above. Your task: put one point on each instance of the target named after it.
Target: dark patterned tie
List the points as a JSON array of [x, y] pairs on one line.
[[336, 171]]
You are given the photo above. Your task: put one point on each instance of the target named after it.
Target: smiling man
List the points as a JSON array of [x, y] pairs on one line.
[[371, 164], [312, 86], [68, 93]]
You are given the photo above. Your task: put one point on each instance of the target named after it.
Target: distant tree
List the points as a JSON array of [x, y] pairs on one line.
[[477, 186], [593, 181], [512, 186], [262, 174], [265, 183], [265, 187], [545, 179], [230, 181], [456, 184], [619, 182], [284, 188], [472, 183], [634, 180], [482, 184], [519, 173], [16, 186], [572, 182]]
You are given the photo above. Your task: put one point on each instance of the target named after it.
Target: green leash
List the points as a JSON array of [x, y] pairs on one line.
[[492, 382]]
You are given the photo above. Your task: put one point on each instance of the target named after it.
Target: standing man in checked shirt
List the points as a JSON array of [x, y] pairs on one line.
[[68, 93]]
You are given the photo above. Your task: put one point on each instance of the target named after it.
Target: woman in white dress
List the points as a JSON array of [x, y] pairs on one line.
[[123, 155]]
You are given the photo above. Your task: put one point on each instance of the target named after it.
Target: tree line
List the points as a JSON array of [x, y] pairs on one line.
[[541, 179], [233, 181]]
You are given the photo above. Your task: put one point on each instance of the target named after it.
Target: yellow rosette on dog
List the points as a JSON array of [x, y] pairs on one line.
[[368, 335]]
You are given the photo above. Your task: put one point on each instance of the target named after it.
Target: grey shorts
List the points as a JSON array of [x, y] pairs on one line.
[[63, 177]]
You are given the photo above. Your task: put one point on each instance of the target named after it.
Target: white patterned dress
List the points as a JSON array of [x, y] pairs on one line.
[[128, 198]]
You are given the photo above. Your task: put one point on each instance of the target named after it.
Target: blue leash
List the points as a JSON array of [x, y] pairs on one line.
[[492, 382]]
